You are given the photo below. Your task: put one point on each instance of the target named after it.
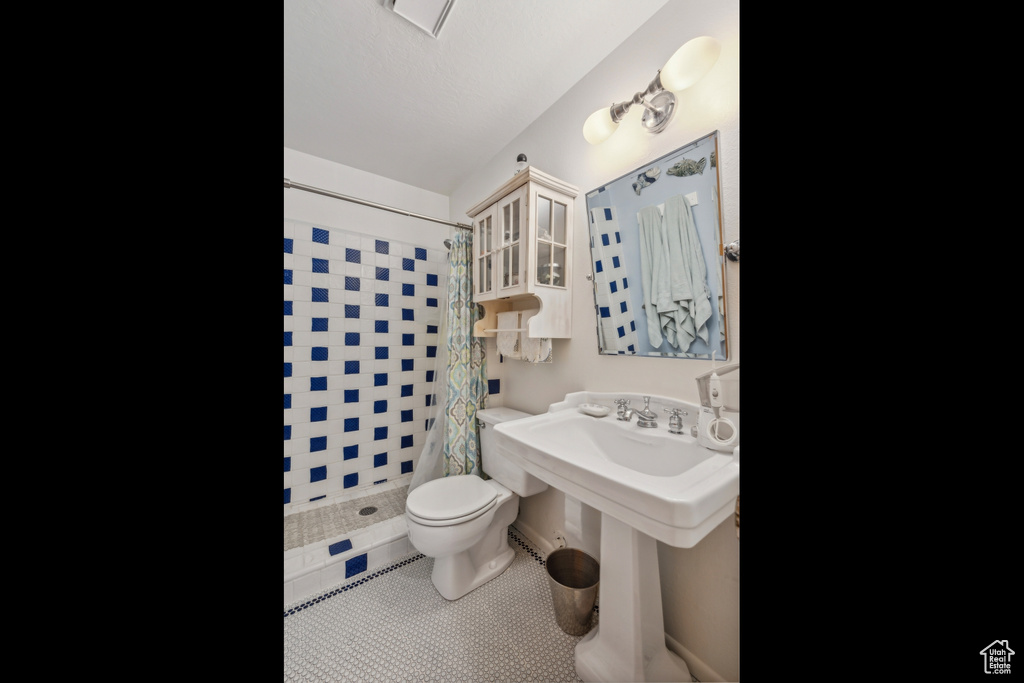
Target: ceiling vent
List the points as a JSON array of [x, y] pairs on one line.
[[429, 15]]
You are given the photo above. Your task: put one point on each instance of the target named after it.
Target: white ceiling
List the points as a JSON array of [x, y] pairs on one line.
[[368, 89]]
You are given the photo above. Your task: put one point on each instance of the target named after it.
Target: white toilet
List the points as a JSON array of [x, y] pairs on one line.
[[462, 521]]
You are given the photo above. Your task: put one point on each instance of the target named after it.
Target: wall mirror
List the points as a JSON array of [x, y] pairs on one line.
[[656, 249]]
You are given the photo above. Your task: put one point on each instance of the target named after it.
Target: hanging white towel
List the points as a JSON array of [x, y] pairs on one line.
[[689, 273], [508, 341], [534, 349]]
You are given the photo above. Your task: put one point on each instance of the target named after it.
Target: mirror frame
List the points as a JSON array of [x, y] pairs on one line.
[[615, 249]]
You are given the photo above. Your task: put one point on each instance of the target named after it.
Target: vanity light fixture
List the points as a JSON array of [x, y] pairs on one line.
[[687, 66]]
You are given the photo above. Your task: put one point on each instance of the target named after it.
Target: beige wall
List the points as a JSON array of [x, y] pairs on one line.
[[700, 585]]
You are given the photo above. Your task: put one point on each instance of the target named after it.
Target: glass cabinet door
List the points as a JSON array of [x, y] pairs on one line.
[[551, 241], [511, 227], [484, 243]]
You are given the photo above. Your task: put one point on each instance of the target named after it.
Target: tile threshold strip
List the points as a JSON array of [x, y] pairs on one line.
[[380, 572]]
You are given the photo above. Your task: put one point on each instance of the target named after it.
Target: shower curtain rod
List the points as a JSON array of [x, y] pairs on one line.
[[375, 205]]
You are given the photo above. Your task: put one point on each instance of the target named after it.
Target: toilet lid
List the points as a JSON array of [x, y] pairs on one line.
[[450, 497]]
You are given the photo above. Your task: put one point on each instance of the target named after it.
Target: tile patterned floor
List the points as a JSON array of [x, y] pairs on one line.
[[392, 625]]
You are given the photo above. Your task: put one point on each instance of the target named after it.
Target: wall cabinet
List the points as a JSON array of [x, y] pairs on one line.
[[522, 251]]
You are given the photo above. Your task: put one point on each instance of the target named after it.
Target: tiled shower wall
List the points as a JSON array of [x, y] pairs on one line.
[[361, 322]]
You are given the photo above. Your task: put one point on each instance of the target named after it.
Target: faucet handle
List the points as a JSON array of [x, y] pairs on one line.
[[675, 412]]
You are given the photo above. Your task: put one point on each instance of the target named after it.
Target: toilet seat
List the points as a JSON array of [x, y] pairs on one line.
[[450, 500]]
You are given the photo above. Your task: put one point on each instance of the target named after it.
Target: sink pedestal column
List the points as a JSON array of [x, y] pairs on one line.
[[629, 642]]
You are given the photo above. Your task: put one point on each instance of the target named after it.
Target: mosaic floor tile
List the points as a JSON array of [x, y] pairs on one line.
[[393, 625]]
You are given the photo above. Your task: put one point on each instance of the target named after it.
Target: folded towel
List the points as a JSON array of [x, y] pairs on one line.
[[508, 342]]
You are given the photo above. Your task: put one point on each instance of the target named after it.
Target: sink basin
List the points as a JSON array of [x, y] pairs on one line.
[[648, 484], [666, 485]]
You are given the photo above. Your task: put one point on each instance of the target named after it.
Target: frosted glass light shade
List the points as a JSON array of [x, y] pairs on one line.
[[690, 63], [599, 126]]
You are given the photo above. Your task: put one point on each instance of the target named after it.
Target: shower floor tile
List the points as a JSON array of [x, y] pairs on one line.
[[393, 625]]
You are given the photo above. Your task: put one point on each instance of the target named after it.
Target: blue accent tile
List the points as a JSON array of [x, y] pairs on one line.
[[351, 396], [430, 375], [381, 353], [351, 424], [625, 283], [322, 236], [339, 547], [287, 464], [319, 353], [408, 314], [380, 433], [406, 466], [406, 416], [351, 480], [381, 326], [288, 245], [287, 496], [598, 267], [429, 400], [318, 414], [318, 473], [408, 289], [632, 325], [351, 311], [606, 312], [408, 264], [613, 286], [406, 390], [318, 384], [317, 443], [407, 441], [421, 254], [494, 386], [352, 255], [380, 299], [287, 432], [605, 241], [287, 401], [407, 339], [287, 276], [432, 303], [380, 379], [350, 452], [380, 406], [607, 214], [382, 247], [317, 498], [383, 274], [380, 459], [431, 329], [618, 237], [408, 364], [287, 369], [351, 367], [287, 338], [623, 307], [319, 325], [351, 284], [431, 351], [432, 279], [356, 564], [615, 261], [351, 339], [287, 307], [622, 331], [320, 265], [320, 294]]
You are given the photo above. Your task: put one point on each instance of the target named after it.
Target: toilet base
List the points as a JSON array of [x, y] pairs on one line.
[[456, 575]]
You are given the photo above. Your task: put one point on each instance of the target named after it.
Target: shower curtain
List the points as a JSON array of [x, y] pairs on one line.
[[460, 377]]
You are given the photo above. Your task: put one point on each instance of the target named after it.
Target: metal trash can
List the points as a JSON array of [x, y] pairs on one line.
[[574, 576]]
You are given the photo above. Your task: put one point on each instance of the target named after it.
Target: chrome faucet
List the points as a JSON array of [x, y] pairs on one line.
[[647, 417], [675, 419], [624, 413]]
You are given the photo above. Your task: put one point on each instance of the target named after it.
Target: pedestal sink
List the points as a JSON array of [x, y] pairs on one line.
[[649, 485]]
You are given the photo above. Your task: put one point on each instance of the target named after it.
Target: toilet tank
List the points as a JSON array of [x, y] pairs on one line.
[[496, 465]]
